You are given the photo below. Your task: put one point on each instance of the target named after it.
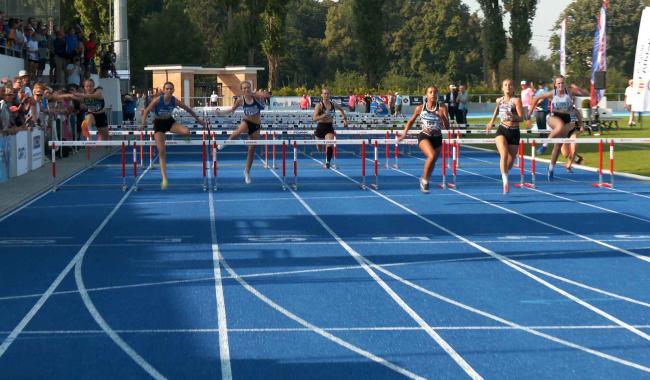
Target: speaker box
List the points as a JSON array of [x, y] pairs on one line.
[[600, 80]]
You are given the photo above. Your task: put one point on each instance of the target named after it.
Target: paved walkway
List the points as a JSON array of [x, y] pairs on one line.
[[21, 189]]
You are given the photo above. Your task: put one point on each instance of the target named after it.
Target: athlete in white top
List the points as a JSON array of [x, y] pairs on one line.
[[562, 103], [510, 112], [434, 118]]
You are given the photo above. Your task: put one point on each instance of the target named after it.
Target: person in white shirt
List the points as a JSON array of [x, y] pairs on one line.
[[73, 71], [214, 99], [629, 92]]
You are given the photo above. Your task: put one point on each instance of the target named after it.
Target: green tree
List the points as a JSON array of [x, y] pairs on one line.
[[623, 19], [303, 62], [494, 37], [339, 44], [273, 23], [522, 13], [94, 17], [368, 30]]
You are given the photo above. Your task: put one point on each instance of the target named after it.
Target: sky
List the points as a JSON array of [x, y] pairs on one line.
[[547, 13]]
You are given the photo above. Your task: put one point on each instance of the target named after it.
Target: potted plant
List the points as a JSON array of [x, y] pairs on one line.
[[585, 109]]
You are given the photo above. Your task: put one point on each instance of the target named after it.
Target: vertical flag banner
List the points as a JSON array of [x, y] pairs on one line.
[[599, 55], [562, 48], [641, 98]]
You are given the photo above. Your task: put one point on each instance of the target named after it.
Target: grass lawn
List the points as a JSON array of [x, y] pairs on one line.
[[630, 158]]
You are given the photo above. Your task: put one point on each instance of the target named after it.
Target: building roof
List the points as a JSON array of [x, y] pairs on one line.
[[206, 70]]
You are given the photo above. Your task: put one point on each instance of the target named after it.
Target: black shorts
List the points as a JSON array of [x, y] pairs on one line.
[[566, 118], [101, 121], [512, 135], [322, 129], [436, 141], [252, 127], [163, 125], [572, 131]]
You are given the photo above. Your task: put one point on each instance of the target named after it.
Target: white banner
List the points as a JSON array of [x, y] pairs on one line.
[[641, 98], [563, 48]]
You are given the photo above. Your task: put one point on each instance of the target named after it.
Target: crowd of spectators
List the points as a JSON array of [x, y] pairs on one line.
[[71, 54]]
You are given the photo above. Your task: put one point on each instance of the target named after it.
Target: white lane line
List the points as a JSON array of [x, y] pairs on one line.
[[599, 242], [402, 304], [316, 329], [344, 329], [90, 306], [483, 313], [46, 192], [516, 265], [560, 278], [41, 301], [224, 347], [511, 263]]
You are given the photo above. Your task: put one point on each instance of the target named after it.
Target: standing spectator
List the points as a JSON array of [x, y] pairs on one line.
[[463, 101], [391, 104], [74, 72], [629, 92], [214, 99], [398, 105], [71, 42], [58, 46], [367, 100], [5, 115], [128, 108], [43, 51], [31, 46], [304, 102], [18, 38], [526, 100], [451, 100], [90, 49], [107, 65], [352, 102], [23, 82]]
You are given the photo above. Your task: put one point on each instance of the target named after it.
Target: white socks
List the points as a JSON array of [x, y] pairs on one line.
[[504, 177]]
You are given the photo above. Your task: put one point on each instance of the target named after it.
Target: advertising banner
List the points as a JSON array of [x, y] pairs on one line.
[[21, 153], [36, 149], [641, 97], [5, 152]]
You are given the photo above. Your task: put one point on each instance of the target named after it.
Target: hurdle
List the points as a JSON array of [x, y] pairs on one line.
[[600, 182]]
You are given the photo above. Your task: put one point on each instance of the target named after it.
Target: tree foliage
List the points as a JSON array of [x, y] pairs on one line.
[[522, 13], [623, 19], [273, 41], [368, 29], [494, 38]]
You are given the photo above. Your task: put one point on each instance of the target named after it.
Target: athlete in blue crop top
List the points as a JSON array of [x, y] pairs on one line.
[[164, 122], [324, 115], [511, 112], [562, 100], [434, 118], [252, 103]]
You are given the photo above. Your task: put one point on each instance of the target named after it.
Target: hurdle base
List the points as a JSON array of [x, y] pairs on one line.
[[374, 186], [452, 186], [524, 185], [604, 184]]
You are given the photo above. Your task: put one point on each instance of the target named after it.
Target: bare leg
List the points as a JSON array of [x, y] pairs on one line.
[[431, 155], [251, 151], [162, 157]]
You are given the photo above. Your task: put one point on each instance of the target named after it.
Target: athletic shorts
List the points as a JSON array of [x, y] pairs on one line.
[[436, 141], [163, 125], [252, 127], [566, 118], [101, 121], [322, 129], [511, 134]]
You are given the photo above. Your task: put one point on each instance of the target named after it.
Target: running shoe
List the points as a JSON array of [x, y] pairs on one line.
[[541, 149], [568, 168], [327, 165], [220, 146], [549, 174], [163, 184], [424, 186], [578, 159], [247, 177]]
